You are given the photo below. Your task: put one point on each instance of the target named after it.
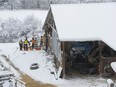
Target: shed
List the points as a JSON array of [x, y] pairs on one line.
[[68, 25]]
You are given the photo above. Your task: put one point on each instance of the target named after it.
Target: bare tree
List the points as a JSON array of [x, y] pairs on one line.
[[11, 4], [41, 4]]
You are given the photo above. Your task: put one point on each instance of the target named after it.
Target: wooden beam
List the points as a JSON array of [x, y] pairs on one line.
[[52, 27], [63, 60], [100, 58]]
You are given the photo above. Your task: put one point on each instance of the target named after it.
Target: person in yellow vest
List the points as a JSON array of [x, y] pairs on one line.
[[21, 44], [26, 42]]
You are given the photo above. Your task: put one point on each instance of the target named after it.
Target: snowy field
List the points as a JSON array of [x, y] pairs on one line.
[[22, 14], [24, 59]]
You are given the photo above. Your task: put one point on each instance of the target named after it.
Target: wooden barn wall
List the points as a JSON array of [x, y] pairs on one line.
[[49, 43], [67, 47], [55, 45], [106, 61]]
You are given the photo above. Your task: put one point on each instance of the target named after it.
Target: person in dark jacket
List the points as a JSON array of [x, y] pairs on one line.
[[33, 43], [21, 44]]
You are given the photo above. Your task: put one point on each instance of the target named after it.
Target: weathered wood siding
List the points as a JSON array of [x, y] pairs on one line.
[[106, 61], [56, 49]]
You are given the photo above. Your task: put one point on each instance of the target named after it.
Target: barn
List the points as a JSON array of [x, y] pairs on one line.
[[82, 37]]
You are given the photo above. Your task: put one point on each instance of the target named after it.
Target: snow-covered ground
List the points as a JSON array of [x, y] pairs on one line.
[[8, 74], [24, 59]]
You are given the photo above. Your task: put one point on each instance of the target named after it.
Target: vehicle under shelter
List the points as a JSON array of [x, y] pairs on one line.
[[82, 37]]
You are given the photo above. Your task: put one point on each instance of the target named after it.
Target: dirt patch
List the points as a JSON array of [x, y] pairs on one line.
[[32, 83]]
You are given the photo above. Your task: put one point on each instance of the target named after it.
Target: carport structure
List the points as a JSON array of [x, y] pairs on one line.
[[74, 23]]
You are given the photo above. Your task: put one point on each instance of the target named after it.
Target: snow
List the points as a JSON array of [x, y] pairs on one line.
[[6, 64], [86, 22], [110, 82], [6, 84], [3, 73], [24, 59], [22, 14], [113, 65]]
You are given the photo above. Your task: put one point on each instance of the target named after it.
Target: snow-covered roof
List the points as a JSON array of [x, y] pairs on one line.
[[5, 73], [86, 22]]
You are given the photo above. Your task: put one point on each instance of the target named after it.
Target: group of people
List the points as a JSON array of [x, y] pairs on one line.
[[26, 44]]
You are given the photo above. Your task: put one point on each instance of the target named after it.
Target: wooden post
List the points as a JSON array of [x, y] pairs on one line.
[[100, 59], [46, 40], [63, 60]]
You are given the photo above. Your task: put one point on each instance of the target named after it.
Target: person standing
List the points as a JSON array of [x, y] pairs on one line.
[[21, 44], [33, 43], [26, 42]]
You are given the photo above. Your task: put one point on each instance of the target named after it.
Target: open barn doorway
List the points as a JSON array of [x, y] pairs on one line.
[[87, 58]]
